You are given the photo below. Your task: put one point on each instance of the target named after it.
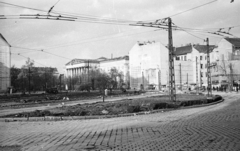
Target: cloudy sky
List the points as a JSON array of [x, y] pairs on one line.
[[55, 42]]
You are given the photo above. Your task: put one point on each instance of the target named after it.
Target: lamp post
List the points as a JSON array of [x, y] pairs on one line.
[[61, 81]]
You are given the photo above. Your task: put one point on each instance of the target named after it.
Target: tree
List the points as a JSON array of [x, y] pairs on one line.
[[225, 68], [116, 77], [103, 81], [15, 82]]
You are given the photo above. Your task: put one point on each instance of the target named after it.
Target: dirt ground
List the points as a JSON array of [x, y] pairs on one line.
[[118, 107]]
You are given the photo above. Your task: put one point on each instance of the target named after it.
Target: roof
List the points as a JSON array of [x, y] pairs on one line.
[[118, 58], [203, 48], [234, 41], [5, 40], [183, 50], [77, 61], [188, 49], [102, 59]]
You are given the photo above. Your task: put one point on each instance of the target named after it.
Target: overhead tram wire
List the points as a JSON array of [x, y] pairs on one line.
[[54, 47], [97, 40], [35, 62], [42, 51], [193, 8], [23, 7], [32, 59], [67, 13], [187, 10], [62, 18], [188, 32]]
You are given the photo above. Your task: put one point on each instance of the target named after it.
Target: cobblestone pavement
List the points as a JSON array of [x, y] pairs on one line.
[[210, 128]]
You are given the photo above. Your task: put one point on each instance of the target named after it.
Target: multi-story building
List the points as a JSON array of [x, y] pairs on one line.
[[83, 67], [225, 61], [148, 65], [120, 63], [195, 58], [5, 63]]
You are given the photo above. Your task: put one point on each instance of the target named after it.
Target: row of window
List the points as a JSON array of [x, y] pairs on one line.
[[184, 58], [201, 66]]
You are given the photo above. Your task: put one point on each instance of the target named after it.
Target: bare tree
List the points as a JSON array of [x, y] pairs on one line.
[[226, 70]]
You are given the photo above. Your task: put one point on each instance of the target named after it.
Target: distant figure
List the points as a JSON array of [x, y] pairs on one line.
[[106, 92]]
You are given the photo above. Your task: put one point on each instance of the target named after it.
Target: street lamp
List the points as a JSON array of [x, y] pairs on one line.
[[61, 81]]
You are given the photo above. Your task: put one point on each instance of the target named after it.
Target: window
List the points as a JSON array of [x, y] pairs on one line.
[[205, 57], [200, 57], [206, 74], [185, 58], [177, 58], [201, 66]]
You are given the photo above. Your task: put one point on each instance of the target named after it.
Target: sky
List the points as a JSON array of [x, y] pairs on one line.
[[53, 43]]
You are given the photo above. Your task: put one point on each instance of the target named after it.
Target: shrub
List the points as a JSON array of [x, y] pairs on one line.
[[217, 98], [161, 105], [134, 109]]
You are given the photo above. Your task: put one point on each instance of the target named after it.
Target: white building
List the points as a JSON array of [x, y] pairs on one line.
[[225, 60], [120, 63], [195, 58], [148, 65], [5, 80], [77, 67], [80, 67]]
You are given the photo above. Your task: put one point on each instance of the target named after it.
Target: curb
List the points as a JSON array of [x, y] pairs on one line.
[[61, 118]]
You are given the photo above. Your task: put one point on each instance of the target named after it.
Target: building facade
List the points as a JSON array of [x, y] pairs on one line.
[[84, 68], [5, 64], [148, 65], [195, 58], [120, 63], [225, 61]]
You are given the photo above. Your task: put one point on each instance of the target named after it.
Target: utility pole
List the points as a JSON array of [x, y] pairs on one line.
[[166, 24], [187, 80], [200, 70], [61, 82], [231, 77], [88, 73], [209, 87], [29, 79], [45, 80], [197, 74], [10, 60], [172, 88], [180, 73]]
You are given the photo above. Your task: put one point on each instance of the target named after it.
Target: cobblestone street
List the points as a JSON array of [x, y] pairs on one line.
[[209, 128]]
